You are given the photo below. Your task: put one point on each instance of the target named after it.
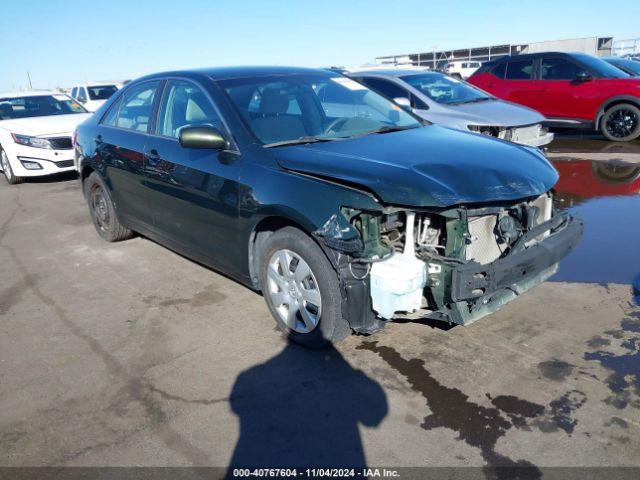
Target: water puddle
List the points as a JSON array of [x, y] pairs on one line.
[[606, 195], [483, 425], [620, 356]]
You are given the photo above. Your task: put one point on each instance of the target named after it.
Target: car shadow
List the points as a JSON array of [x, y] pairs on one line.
[[432, 323], [303, 408], [54, 178]]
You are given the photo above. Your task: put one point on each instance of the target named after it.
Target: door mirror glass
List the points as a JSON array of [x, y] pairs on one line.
[[202, 137], [583, 76]]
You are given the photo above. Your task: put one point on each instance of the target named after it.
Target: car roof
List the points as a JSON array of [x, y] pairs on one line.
[[525, 56], [395, 72], [223, 73], [96, 84], [620, 59], [29, 93]]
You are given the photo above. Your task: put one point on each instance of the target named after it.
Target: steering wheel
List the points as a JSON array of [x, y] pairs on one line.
[[337, 122]]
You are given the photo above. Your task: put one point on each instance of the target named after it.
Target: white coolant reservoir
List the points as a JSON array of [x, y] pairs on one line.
[[397, 282]]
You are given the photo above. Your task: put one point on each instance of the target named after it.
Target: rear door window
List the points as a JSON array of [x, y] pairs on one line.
[[519, 70], [385, 87], [112, 115], [136, 107], [499, 70]]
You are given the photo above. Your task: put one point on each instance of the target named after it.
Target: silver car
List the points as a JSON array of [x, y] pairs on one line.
[[454, 103]]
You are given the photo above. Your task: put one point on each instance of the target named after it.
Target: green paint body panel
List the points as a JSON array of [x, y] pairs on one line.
[[206, 204]]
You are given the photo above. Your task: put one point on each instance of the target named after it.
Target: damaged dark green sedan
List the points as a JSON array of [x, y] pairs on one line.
[[343, 209]]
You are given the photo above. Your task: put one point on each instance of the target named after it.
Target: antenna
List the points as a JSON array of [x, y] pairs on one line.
[[29, 77]]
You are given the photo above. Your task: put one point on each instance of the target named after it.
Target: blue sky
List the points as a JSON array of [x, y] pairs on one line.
[[62, 42]]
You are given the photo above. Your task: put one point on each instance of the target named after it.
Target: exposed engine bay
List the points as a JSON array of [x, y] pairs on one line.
[[456, 264]]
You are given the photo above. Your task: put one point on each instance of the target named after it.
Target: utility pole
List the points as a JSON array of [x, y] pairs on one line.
[[29, 77]]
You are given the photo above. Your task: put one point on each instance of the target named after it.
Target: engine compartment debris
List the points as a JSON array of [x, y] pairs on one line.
[[458, 264]]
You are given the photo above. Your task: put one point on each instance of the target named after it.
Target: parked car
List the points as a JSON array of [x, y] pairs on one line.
[[92, 96], [36, 131], [343, 221], [627, 65], [573, 90], [454, 103], [461, 69]]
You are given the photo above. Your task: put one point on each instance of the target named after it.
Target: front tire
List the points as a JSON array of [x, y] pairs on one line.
[[9, 176], [301, 289], [102, 211], [621, 123]]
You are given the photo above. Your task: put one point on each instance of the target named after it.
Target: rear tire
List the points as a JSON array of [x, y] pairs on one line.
[[102, 211], [621, 123], [296, 276], [9, 176]]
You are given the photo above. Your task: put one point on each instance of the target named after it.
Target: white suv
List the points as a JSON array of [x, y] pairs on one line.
[[36, 130], [461, 69], [92, 96]]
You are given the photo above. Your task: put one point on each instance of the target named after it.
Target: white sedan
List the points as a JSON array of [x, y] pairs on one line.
[[36, 130]]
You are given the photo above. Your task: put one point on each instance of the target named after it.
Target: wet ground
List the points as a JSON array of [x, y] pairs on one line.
[[600, 182], [128, 354]]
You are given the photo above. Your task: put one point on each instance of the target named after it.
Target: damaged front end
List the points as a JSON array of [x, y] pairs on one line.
[[456, 264]]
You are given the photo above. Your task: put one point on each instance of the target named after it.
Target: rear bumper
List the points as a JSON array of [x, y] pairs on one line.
[[475, 281]]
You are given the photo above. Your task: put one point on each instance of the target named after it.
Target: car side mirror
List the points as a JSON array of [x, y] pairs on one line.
[[202, 137], [403, 102], [583, 77]]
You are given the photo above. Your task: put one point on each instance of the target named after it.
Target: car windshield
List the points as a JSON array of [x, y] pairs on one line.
[[306, 108], [38, 106], [600, 67], [101, 92], [629, 66], [444, 89]]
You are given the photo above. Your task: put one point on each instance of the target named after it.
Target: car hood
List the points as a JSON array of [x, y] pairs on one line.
[[43, 126], [496, 113], [427, 167]]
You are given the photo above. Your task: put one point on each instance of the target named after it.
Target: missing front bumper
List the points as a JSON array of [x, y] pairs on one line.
[[478, 290], [472, 281]]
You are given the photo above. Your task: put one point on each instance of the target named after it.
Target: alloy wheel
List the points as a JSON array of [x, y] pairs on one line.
[[622, 123], [293, 291]]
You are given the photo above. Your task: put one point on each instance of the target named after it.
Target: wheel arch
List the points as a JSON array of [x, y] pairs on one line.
[[612, 102], [85, 171], [266, 227]]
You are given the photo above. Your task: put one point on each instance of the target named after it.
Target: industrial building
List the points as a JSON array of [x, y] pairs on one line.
[[599, 46]]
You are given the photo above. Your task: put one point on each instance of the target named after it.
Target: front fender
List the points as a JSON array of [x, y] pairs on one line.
[[307, 200], [270, 192]]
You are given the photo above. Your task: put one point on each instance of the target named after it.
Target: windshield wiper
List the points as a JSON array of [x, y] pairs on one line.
[[475, 100], [300, 141], [389, 128]]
